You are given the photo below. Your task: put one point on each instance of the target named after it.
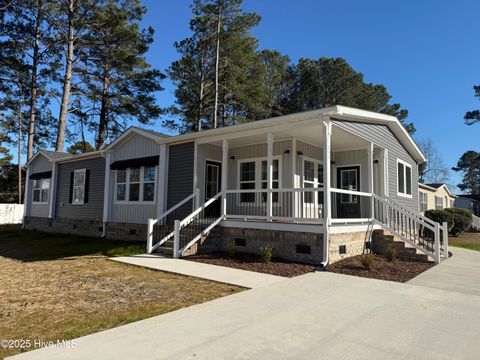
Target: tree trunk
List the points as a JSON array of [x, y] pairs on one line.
[[217, 65], [67, 84], [200, 105], [19, 153], [103, 121], [33, 85]]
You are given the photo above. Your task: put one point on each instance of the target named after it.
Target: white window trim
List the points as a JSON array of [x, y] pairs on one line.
[[41, 190], [73, 186], [141, 183], [405, 164], [258, 176]]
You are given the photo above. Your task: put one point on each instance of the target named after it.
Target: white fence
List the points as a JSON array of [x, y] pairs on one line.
[[11, 214]]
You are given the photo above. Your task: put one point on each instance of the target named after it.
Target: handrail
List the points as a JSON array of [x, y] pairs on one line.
[[280, 190], [175, 207], [350, 192], [179, 225], [200, 208], [475, 221]]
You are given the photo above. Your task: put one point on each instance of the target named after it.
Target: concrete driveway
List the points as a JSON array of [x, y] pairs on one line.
[[314, 316]]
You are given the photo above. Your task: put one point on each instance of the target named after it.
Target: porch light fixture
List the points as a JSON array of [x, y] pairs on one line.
[[232, 157], [286, 152], [300, 153], [332, 162], [376, 161]]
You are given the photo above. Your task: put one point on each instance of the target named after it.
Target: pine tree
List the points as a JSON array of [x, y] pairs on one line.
[[117, 83], [469, 166]]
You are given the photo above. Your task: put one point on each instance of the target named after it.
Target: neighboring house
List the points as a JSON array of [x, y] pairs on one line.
[[470, 202], [435, 196], [312, 185]]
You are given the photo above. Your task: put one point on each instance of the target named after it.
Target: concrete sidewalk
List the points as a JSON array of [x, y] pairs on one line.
[[247, 279], [460, 273], [314, 316]]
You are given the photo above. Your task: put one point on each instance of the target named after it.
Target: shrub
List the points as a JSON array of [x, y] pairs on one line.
[[461, 224], [231, 249], [464, 212], [391, 254], [440, 216], [367, 261], [266, 253]]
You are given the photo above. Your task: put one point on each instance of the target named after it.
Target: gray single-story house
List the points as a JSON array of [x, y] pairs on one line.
[[312, 185]]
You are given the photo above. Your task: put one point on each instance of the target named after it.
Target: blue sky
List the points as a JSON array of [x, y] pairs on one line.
[[425, 52]]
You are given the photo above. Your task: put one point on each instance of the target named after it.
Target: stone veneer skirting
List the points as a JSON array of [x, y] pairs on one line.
[[353, 241], [288, 245]]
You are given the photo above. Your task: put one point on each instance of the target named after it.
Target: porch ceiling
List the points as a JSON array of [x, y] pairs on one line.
[[341, 139]]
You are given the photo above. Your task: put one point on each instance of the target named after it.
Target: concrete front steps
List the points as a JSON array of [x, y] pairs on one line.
[[381, 242]]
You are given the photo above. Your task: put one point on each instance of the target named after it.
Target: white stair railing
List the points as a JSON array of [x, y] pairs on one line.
[[426, 235], [151, 222], [200, 225], [475, 222]]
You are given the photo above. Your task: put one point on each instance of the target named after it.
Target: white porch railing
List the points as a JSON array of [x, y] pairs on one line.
[[287, 204], [475, 222]]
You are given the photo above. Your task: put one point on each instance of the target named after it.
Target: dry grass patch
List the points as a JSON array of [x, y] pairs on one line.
[[50, 297]]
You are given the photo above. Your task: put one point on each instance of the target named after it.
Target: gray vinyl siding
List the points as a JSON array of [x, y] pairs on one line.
[[136, 146], [382, 136], [206, 152], [180, 172], [40, 164], [260, 151], [93, 209]]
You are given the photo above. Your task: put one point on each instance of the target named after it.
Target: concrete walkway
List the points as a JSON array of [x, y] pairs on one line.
[[459, 273], [247, 279], [315, 316]]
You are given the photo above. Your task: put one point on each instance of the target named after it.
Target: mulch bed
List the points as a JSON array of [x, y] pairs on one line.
[[398, 270], [252, 262]]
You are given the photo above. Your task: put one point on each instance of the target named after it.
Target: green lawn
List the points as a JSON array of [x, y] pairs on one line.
[[36, 244], [59, 287], [469, 240]]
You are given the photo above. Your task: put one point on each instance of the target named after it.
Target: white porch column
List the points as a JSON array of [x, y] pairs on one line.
[[53, 191], [106, 194], [224, 175], [269, 175], [370, 177], [327, 199], [295, 197]]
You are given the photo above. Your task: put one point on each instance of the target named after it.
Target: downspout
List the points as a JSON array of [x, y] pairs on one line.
[[327, 132]]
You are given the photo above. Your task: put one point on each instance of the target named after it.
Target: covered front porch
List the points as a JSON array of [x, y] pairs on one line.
[[312, 173]]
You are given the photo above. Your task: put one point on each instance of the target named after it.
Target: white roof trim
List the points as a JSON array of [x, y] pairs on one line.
[[426, 187], [338, 112], [40, 152], [431, 188], [135, 130]]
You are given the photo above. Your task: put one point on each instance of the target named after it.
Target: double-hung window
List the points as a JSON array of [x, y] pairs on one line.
[[423, 201], [438, 203], [404, 178], [136, 185], [41, 190], [247, 181]]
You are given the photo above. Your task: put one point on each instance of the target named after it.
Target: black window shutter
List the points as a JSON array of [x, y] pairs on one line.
[[87, 185], [70, 193]]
